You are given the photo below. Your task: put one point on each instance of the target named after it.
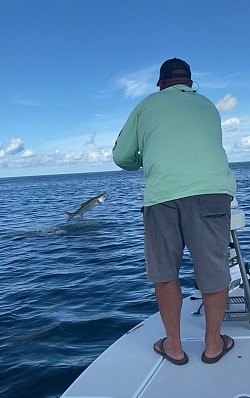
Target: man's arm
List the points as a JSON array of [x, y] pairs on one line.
[[126, 150]]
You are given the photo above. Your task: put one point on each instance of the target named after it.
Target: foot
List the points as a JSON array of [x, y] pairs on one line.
[[177, 357], [212, 356]]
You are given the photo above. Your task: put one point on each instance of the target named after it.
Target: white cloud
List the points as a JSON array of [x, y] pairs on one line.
[[101, 94], [28, 153], [57, 159], [139, 83], [99, 115], [73, 157], [134, 88], [207, 80], [16, 145], [243, 145], [234, 124], [101, 156], [26, 102], [98, 156], [227, 104], [93, 157]]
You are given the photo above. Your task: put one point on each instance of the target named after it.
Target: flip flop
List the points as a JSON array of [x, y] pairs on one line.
[[224, 351], [163, 353]]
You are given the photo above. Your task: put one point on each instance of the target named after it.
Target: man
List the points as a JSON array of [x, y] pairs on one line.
[[175, 135]]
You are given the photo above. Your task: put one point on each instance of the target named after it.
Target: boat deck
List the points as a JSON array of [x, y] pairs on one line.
[[130, 368]]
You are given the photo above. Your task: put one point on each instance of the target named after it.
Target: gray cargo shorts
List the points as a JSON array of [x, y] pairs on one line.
[[202, 224]]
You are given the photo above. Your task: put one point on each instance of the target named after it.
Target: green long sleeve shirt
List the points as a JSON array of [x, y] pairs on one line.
[[175, 135]]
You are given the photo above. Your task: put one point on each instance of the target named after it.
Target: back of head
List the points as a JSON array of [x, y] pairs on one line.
[[174, 71]]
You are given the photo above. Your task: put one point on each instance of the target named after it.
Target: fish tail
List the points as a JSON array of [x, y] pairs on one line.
[[70, 215]]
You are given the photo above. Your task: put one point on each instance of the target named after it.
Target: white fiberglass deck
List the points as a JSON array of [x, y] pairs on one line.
[[130, 368]]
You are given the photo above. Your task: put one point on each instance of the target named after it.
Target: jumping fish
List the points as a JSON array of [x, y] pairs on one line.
[[86, 206]]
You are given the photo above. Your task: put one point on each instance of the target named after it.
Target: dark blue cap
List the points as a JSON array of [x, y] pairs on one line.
[[171, 65]]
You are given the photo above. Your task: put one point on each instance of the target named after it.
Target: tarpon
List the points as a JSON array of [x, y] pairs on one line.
[[86, 206]]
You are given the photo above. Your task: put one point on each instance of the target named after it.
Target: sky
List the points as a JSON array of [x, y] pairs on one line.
[[71, 71]]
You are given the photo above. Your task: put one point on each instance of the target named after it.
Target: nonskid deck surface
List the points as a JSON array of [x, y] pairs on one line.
[[130, 368], [227, 378]]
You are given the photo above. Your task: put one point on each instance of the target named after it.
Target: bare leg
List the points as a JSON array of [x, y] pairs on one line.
[[214, 306], [170, 302]]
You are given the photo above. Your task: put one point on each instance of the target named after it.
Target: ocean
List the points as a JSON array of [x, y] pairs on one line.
[[69, 289]]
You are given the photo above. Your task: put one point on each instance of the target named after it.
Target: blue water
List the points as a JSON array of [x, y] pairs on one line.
[[70, 289]]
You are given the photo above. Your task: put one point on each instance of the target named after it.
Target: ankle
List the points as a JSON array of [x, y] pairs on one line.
[[212, 337]]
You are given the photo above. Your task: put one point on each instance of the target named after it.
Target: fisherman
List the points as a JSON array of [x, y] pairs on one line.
[[175, 135]]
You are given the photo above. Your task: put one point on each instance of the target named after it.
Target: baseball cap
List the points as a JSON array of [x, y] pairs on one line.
[[171, 65]]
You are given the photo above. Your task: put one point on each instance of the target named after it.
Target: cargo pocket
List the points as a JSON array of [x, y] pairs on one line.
[[216, 226]]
